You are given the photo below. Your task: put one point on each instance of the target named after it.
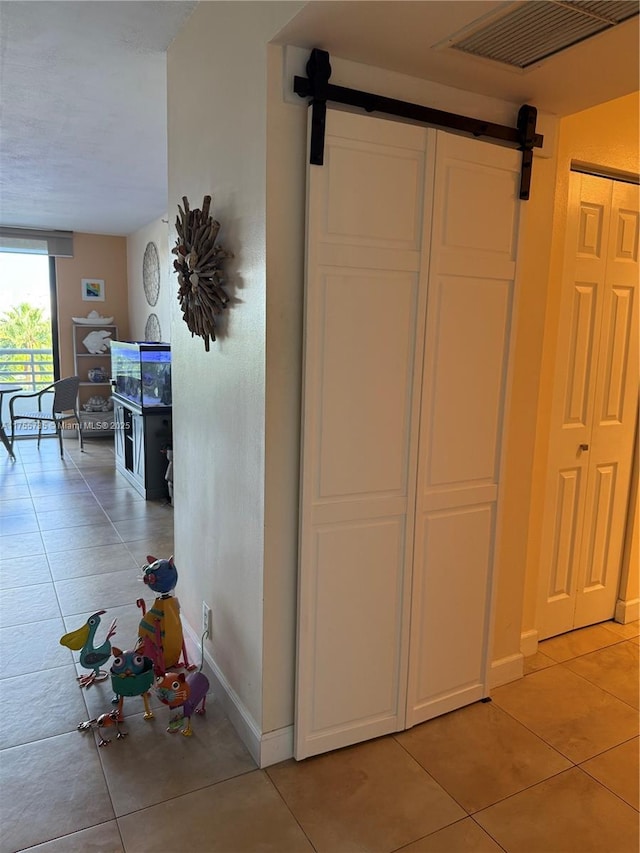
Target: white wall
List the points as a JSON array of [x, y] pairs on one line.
[[286, 170], [139, 309], [217, 136]]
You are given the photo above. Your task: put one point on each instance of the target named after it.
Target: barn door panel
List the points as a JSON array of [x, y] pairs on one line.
[[364, 328], [473, 260], [402, 425]]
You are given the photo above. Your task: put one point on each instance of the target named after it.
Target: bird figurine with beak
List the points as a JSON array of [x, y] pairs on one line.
[[91, 657]]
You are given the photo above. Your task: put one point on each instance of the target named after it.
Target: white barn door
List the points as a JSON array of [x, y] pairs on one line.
[[364, 328], [471, 284], [370, 430]]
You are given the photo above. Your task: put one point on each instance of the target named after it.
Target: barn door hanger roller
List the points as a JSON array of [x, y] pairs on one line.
[[317, 87]]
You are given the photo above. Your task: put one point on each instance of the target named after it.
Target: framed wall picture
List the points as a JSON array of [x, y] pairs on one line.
[[93, 290]]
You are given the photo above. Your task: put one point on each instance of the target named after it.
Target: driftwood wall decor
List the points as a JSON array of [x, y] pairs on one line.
[[199, 268]]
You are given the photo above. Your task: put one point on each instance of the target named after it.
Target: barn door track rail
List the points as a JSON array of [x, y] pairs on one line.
[[317, 87]]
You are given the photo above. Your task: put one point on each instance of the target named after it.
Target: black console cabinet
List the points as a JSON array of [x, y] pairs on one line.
[[140, 438]]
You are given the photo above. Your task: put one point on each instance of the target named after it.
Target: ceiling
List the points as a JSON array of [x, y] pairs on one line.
[[83, 119], [408, 37], [83, 105]]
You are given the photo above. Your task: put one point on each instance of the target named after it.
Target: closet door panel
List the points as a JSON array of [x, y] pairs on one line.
[[470, 295], [365, 302], [614, 422], [474, 235], [374, 177], [357, 562], [572, 408], [467, 378], [594, 408], [361, 420], [456, 548]]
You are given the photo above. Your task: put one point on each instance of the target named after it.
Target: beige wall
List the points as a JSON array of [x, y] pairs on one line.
[[139, 309], [630, 580], [95, 256], [520, 432], [604, 136]]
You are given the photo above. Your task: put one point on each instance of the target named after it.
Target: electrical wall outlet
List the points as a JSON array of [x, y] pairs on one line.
[[206, 618]]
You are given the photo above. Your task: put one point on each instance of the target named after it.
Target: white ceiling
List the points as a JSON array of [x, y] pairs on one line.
[[405, 37], [83, 105], [83, 135]]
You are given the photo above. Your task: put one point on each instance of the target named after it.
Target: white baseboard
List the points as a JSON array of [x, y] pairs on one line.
[[627, 611], [230, 702], [506, 669], [529, 642], [276, 746], [265, 749]]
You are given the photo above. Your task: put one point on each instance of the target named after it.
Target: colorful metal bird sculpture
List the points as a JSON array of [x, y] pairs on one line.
[[160, 575], [102, 722], [90, 657], [132, 675], [160, 634]]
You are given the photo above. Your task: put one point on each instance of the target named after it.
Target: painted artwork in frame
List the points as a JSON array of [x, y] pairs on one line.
[[93, 290]]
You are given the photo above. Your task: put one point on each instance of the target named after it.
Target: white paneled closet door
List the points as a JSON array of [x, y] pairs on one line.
[[364, 332], [471, 283], [594, 409], [371, 431]]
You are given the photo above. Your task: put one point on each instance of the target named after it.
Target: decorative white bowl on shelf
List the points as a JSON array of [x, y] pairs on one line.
[[93, 319]]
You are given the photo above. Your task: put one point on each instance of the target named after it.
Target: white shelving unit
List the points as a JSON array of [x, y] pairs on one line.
[[93, 423]]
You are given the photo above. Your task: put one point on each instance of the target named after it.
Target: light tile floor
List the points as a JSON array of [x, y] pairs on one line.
[[549, 766]]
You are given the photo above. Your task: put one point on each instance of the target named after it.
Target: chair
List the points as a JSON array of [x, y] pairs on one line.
[[64, 407]]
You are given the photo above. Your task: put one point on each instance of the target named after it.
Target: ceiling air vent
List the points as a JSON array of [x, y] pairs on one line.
[[537, 29]]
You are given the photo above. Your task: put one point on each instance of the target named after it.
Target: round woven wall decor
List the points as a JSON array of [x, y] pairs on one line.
[[151, 273], [152, 330]]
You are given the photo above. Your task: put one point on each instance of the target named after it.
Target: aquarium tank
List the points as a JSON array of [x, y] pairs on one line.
[[141, 373]]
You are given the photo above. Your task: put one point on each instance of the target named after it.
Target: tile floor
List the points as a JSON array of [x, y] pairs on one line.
[[549, 766]]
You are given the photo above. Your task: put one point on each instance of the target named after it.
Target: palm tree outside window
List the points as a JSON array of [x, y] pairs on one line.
[[27, 352]]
